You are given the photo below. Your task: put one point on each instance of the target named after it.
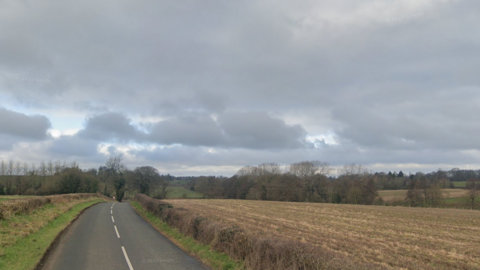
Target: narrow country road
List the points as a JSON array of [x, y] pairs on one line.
[[112, 236]]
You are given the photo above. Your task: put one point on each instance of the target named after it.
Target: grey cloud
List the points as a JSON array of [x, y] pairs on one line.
[[231, 130], [198, 129], [28, 127], [259, 130], [67, 146], [447, 121], [110, 127], [391, 90]]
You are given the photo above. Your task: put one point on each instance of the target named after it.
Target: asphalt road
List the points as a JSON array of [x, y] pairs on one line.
[[113, 236]]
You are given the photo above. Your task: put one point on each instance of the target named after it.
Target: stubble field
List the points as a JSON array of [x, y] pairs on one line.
[[393, 237]]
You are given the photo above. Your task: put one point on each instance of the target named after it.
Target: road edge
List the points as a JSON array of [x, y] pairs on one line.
[[55, 242], [205, 261]]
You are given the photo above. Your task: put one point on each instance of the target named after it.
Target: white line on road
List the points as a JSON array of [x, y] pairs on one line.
[[118, 235], [113, 220], [113, 204], [126, 258], [111, 212]]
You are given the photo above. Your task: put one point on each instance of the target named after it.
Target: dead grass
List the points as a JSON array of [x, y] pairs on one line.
[[25, 216], [399, 195], [391, 237], [15, 206]]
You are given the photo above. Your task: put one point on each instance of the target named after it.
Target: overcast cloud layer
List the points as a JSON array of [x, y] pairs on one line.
[[206, 87]]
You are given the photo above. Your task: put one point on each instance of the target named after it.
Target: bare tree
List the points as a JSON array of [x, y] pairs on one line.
[[3, 168], [306, 169], [18, 168], [353, 169], [25, 168], [116, 169], [58, 167], [50, 168], [247, 171], [11, 168], [473, 187], [164, 183]]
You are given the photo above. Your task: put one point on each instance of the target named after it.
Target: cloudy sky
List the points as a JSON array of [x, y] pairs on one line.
[[206, 87]]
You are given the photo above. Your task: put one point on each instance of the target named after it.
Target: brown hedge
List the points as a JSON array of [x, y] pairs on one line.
[[28, 205], [256, 253]]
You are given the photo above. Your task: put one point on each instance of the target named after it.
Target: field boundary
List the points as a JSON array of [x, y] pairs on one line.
[[255, 253], [203, 253]]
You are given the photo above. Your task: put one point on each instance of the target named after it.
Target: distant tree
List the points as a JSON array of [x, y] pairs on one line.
[[473, 189], [306, 169], [119, 184], [369, 189], [70, 181], [144, 178], [115, 169], [400, 174], [163, 186], [412, 197]]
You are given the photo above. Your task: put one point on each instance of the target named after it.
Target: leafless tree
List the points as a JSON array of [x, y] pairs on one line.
[[50, 168], [3, 168], [353, 169], [473, 189], [17, 168], [11, 168], [306, 169]]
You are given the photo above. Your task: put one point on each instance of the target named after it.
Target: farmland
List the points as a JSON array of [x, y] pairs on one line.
[[460, 184], [395, 195], [392, 237], [180, 192]]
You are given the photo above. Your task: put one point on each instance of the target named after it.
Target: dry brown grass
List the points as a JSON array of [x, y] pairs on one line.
[[28, 215], [399, 195], [392, 237], [12, 207]]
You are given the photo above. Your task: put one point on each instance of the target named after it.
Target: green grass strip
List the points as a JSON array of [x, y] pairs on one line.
[[27, 252], [180, 192], [215, 260]]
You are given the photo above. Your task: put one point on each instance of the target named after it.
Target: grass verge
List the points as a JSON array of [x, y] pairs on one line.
[[27, 252], [210, 257]]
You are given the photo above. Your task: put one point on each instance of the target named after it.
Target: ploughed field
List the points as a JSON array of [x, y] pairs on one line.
[[394, 237]]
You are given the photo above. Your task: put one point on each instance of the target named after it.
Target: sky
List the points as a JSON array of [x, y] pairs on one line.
[[207, 87]]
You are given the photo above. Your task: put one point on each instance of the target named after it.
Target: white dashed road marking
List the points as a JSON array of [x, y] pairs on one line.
[[118, 235], [126, 258]]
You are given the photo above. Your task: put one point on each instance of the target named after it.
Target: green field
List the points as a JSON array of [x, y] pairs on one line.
[[460, 184], [178, 192], [179, 182]]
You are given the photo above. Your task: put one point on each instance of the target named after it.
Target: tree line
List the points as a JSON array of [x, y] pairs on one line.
[[113, 179], [312, 181], [306, 181]]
